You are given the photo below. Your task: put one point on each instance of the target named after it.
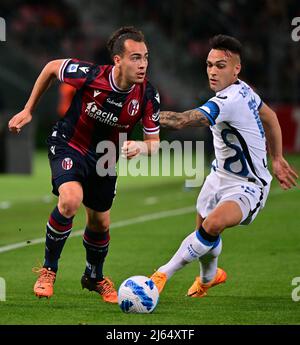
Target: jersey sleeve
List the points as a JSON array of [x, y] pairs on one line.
[[258, 100], [216, 110], [150, 119], [75, 72]]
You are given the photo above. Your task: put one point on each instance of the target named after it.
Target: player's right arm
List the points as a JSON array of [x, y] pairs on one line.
[[188, 118], [44, 80]]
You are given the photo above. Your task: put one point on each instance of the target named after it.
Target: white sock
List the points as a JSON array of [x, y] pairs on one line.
[[209, 263], [190, 249]]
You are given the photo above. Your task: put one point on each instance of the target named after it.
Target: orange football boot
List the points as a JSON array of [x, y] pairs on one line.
[[199, 289], [159, 279], [105, 288], [44, 284]]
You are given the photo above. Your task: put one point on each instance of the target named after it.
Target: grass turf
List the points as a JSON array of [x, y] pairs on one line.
[[261, 259]]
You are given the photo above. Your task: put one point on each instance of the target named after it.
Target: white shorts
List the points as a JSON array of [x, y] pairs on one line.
[[218, 188]]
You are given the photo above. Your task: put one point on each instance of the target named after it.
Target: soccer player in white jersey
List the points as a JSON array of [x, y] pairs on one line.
[[238, 185]]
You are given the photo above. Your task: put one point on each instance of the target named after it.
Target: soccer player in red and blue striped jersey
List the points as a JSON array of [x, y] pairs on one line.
[[109, 100]]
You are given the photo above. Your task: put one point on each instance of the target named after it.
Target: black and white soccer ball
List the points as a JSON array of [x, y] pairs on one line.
[[138, 294]]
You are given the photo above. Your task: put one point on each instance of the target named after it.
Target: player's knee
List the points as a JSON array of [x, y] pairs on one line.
[[99, 225], [213, 225], [68, 206]]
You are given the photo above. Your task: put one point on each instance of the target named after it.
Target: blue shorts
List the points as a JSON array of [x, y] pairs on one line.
[[68, 164]]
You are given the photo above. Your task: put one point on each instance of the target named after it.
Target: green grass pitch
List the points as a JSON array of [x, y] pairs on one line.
[[261, 259]]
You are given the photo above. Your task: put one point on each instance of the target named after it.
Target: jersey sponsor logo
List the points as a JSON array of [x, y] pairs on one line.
[[96, 93], [85, 70], [67, 163], [72, 68], [133, 107], [117, 104], [103, 116], [222, 97]]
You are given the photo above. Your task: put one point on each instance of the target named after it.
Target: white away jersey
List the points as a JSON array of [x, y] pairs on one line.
[[239, 137]]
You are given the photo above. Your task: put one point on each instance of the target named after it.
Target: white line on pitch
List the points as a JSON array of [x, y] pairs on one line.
[[137, 220], [141, 219]]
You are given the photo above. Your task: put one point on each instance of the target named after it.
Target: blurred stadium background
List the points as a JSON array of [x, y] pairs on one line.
[[177, 33]]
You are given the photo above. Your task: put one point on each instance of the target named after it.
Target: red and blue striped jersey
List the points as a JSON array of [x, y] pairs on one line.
[[100, 110]]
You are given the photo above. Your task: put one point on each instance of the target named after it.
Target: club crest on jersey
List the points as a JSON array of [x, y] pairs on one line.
[[133, 107], [67, 164]]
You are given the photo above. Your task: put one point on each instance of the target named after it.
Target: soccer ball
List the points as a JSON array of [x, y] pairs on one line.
[[138, 294]]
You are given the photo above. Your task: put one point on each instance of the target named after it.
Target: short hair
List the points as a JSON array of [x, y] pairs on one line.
[[224, 42], [115, 44]]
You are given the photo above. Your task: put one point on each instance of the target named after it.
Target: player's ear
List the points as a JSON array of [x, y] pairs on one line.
[[117, 59], [237, 68]]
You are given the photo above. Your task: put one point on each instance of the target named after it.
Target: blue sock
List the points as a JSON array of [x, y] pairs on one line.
[[57, 232], [96, 245]]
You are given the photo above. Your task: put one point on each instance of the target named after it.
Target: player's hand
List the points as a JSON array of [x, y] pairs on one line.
[[19, 120], [130, 149], [284, 173]]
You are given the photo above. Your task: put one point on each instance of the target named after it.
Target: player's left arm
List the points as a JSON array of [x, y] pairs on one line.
[[188, 118], [281, 168], [150, 122], [148, 146]]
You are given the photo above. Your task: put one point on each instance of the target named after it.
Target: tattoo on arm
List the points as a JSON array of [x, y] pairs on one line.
[[189, 118]]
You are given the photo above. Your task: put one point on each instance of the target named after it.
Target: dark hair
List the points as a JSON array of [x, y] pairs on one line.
[[115, 44], [224, 42]]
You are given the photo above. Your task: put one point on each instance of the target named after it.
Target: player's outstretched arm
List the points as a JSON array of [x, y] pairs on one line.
[[188, 118], [281, 168], [44, 80], [149, 146]]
